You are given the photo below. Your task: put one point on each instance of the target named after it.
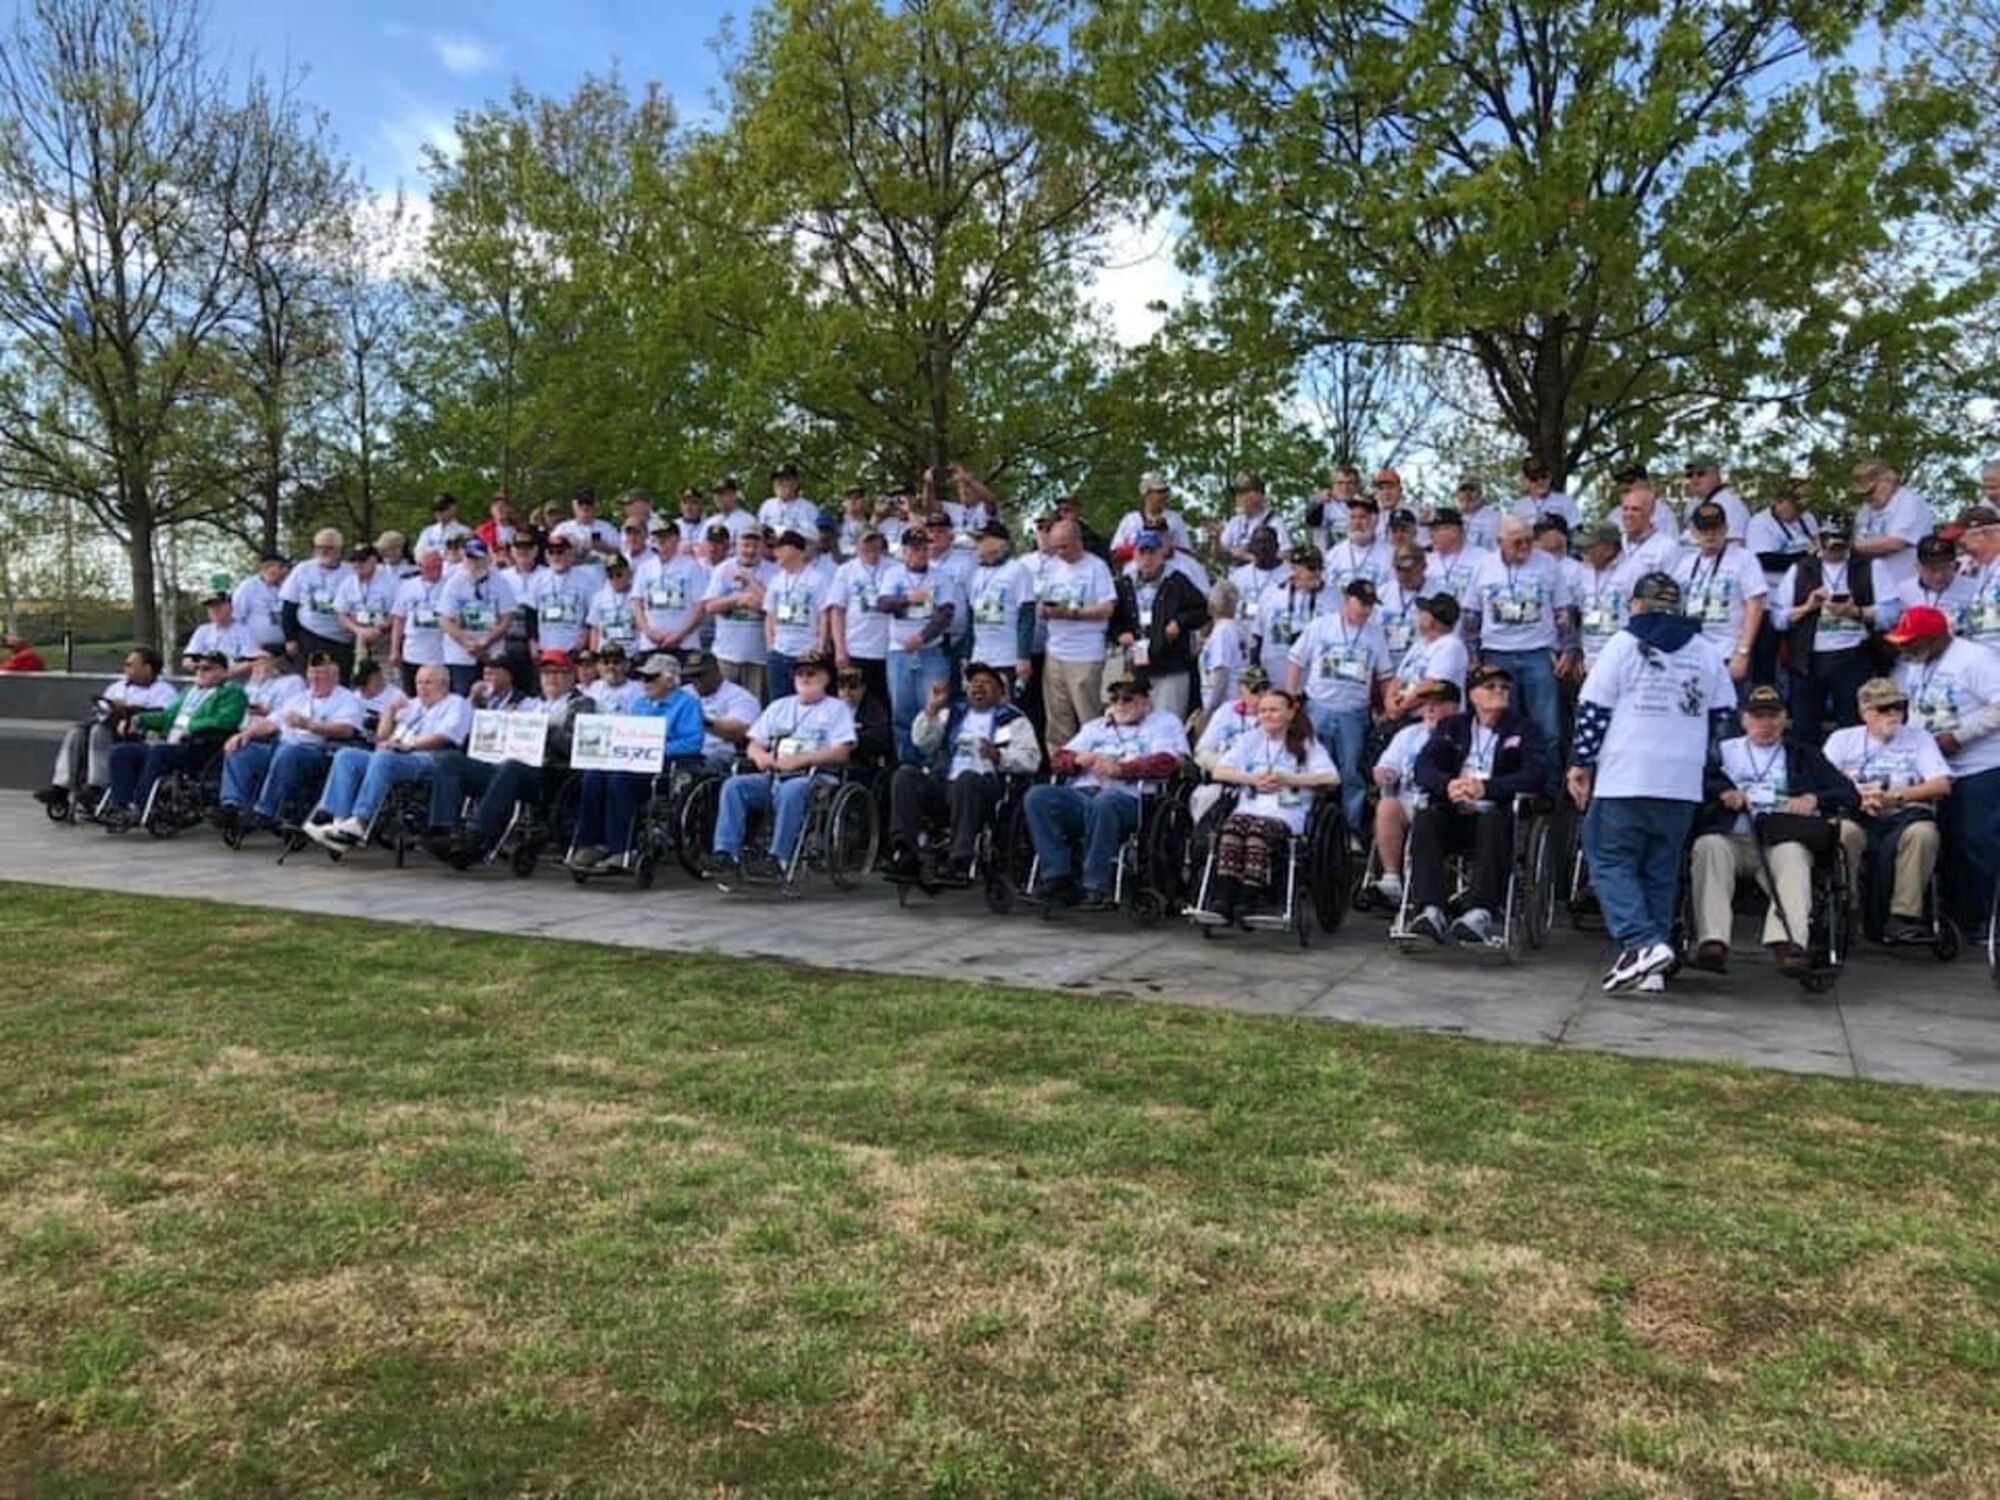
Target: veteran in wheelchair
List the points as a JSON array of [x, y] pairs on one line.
[[1483, 775], [970, 753], [1113, 809], [362, 782], [1282, 824], [615, 815], [1767, 811], [191, 733], [1891, 843]]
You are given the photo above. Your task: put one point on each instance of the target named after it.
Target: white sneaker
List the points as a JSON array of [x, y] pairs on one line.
[[1390, 885], [321, 832], [1656, 958], [1473, 928], [1635, 964], [351, 831], [1652, 984], [1427, 923]]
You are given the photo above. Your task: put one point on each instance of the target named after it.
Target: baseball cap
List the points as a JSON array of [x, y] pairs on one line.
[[1149, 541], [1935, 548], [1764, 699], [1658, 588], [474, 547], [212, 659], [812, 661], [695, 663], [1364, 502], [1409, 557], [1131, 684], [995, 529], [553, 659], [1879, 692], [443, 503], [1708, 516], [1920, 622], [1152, 480], [1836, 526], [1603, 534], [1308, 557], [659, 664], [1444, 608], [726, 485], [663, 524], [1253, 675], [1481, 675], [1402, 517], [559, 541], [913, 536], [789, 538], [1245, 480], [983, 668], [611, 651], [1550, 522], [1362, 589], [1441, 689], [1446, 515], [786, 470]]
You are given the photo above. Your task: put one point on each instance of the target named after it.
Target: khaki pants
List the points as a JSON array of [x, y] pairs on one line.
[[1072, 695], [1916, 858], [1721, 859], [85, 748], [748, 675]]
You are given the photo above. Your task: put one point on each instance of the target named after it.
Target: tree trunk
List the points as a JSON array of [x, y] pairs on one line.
[[139, 548]]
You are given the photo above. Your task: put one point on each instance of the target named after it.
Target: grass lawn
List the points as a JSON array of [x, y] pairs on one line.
[[300, 1207]]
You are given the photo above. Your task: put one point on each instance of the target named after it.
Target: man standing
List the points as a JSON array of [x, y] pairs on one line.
[[1540, 498], [1077, 601], [787, 509], [312, 621], [1723, 588], [1643, 722], [474, 606], [1954, 692], [1342, 665], [1253, 510], [1704, 480], [1159, 615], [1001, 596], [1891, 521], [1519, 616]]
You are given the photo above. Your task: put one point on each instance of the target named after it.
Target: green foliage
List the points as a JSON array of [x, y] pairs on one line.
[[1636, 218]]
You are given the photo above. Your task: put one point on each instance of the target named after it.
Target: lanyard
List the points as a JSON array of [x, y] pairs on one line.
[[1714, 571], [1490, 745], [1763, 772]]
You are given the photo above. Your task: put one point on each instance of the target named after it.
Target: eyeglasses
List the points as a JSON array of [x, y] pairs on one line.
[[1125, 697], [1885, 708]]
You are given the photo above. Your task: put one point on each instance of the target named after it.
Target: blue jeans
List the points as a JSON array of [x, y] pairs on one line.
[[1538, 695], [778, 668], [606, 806], [1061, 816], [1635, 846], [135, 767], [752, 793], [454, 776], [244, 771], [911, 674], [1344, 732], [360, 779], [1972, 829]]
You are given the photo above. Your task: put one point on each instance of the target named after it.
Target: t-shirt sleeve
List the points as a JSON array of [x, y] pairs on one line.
[[1930, 759], [1750, 576], [1910, 519], [842, 731], [1602, 683]]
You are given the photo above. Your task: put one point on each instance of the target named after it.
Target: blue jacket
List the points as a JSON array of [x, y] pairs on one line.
[[682, 711]]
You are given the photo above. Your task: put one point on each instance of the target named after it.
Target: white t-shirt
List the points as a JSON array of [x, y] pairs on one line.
[[1601, 598], [1715, 591], [1227, 652], [669, 589], [1396, 613], [477, 605], [339, 706], [1657, 741], [1758, 772], [261, 609], [1134, 521], [793, 727], [1339, 662], [1236, 530], [270, 696], [1554, 503], [1400, 756], [1955, 600], [798, 514], [1904, 514], [367, 602], [1251, 581], [1441, 660], [1349, 561], [1453, 575], [614, 700], [1982, 616], [1227, 725], [450, 716], [730, 702], [1517, 604], [1082, 583], [854, 591], [995, 596], [440, 534], [1766, 533], [739, 631], [1660, 552], [561, 601], [923, 592], [232, 640], [315, 589], [1159, 733], [793, 601], [1284, 613], [583, 540], [416, 604], [1947, 696], [612, 614], [735, 522], [1908, 756], [157, 694], [1257, 752]]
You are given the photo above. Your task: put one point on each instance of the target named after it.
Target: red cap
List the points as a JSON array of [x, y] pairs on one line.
[[1919, 623], [552, 659]]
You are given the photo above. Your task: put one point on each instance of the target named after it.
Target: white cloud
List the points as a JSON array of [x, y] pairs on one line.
[[1138, 272], [399, 144], [463, 55]]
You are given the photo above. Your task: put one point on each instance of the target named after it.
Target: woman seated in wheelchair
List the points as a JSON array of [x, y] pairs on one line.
[[1902, 776], [1395, 777], [1107, 765], [794, 744], [1280, 765], [1470, 772], [1765, 813]]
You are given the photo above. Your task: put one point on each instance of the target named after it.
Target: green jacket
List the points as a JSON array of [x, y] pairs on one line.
[[221, 712]]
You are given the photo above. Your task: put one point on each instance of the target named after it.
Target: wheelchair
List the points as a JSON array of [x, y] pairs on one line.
[[184, 797], [1315, 882], [1154, 869], [1528, 906], [1828, 928], [292, 814], [397, 825], [674, 820], [997, 860], [1945, 937], [841, 832]]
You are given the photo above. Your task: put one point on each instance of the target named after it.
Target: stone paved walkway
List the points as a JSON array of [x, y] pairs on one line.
[[1892, 1017]]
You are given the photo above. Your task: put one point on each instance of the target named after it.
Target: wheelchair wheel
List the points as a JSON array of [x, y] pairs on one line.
[[1327, 876], [1947, 941], [1540, 876], [696, 818], [1148, 908], [1521, 900], [1169, 841], [522, 860], [1011, 857], [850, 835], [562, 812]]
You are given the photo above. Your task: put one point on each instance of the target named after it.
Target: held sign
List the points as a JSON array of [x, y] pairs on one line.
[[618, 742]]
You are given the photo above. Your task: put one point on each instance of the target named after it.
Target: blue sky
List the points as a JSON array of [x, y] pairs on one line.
[[391, 76]]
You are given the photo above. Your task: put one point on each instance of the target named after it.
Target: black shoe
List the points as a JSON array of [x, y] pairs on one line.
[[1905, 931], [721, 868], [1428, 923], [956, 872], [762, 867], [903, 864], [1712, 957], [118, 819], [1095, 901], [1057, 890], [1790, 958], [227, 818], [1227, 897], [53, 796]]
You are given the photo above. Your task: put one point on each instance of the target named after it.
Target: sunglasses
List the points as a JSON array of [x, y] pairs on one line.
[[1126, 697], [1885, 708]]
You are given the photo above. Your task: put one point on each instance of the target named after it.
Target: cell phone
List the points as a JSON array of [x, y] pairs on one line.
[[1840, 598]]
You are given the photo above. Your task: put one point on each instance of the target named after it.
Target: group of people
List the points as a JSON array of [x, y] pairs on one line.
[[1429, 669]]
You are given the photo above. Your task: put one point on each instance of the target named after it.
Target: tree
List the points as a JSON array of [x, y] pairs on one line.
[[369, 304], [1633, 217], [129, 191], [926, 182]]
